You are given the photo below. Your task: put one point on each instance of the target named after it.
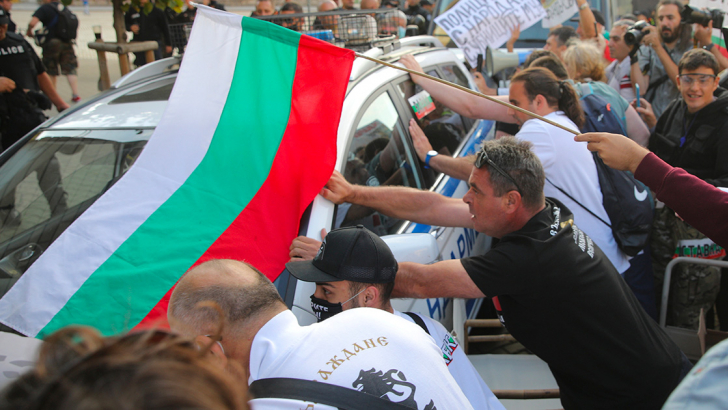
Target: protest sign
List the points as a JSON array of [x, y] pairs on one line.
[[558, 11], [476, 24]]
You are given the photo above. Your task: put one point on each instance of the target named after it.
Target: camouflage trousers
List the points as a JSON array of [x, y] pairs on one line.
[[693, 286]]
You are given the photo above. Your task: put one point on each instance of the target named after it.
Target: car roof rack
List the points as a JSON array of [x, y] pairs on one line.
[[393, 48]]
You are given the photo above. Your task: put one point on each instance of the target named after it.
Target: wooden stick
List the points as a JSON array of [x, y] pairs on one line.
[[469, 91]]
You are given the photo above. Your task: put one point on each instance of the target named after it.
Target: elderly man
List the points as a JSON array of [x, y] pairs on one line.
[[338, 289], [363, 349], [263, 8], [618, 71], [552, 286]]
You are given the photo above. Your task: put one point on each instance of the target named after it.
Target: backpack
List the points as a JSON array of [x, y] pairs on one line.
[[598, 113], [628, 203], [65, 24]]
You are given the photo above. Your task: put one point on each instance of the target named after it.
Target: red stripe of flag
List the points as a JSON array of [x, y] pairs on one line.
[[262, 233]]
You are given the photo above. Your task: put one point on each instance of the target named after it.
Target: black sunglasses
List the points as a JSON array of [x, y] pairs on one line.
[[482, 159]]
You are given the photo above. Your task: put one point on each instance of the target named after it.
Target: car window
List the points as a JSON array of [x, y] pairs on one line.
[[54, 177], [445, 129], [379, 154]]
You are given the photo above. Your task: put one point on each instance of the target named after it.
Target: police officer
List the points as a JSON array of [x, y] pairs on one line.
[[22, 77]]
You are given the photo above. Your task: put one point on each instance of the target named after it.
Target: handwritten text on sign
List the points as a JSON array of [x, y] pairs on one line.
[[476, 24], [558, 12]]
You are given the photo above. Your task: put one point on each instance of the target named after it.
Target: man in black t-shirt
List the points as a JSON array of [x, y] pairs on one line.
[[56, 52], [148, 27], [552, 286]]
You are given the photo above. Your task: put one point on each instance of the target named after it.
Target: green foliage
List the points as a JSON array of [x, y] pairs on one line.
[[66, 2], [175, 5]]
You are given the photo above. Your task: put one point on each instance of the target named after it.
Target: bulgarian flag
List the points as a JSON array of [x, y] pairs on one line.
[[247, 141]]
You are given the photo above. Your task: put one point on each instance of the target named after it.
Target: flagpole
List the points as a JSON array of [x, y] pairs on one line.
[[469, 91]]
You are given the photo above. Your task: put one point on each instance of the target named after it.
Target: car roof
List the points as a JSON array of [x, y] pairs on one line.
[[138, 105]]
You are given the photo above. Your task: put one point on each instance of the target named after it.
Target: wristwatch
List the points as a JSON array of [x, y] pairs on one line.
[[429, 155], [584, 6], [708, 47]]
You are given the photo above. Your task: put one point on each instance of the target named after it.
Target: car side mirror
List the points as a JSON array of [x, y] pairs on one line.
[[413, 247]]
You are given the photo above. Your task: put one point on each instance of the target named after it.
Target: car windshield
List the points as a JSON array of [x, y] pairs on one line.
[[50, 181]]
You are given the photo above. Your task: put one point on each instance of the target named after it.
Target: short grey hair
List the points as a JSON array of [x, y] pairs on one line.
[[516, 158], [623, 22], [201, 307]]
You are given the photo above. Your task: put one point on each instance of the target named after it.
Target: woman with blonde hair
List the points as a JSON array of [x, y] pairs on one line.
[[585, 66], [584, 62]]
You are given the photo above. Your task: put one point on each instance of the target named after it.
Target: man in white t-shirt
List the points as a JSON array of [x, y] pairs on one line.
[[617, 71], [567, 164], [355, 268], [258, 338]]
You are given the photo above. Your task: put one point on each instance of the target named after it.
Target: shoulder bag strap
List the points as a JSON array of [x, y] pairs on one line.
[[322, 393], [578, 203], [418, 320]]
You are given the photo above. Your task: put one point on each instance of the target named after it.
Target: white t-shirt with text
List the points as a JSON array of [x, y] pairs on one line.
[[466, 376], [363, 349]]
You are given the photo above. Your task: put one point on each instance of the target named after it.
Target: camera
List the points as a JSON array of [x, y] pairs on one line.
[[635, 33], [691, 15]]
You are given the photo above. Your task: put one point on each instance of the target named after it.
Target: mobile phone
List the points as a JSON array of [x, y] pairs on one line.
[[479, 68], [637, 92]]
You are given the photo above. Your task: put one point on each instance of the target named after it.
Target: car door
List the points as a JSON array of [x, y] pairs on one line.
[[453, 135]]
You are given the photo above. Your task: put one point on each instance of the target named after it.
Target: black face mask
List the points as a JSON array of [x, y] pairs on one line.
[[323, 309]]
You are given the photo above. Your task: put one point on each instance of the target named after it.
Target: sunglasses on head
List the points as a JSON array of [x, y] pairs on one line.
[[482, 159]]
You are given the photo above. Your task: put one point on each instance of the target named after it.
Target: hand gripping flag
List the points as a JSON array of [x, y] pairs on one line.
[[247, 141]]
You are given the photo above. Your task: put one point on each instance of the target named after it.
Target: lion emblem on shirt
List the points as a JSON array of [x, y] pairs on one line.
[[392, 386]]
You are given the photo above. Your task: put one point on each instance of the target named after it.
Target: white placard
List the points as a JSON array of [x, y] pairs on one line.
[[476, 24], [558, 11]]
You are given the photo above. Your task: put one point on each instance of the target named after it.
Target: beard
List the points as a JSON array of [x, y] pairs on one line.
[[673, 36]]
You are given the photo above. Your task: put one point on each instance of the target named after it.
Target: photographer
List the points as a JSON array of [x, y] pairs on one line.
[[704, 37], [654, 63]]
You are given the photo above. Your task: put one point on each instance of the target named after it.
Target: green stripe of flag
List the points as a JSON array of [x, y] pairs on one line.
[[236, 164]]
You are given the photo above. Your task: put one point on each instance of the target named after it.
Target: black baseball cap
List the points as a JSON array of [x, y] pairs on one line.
[[4, 19], [353, 253], [598, 17]]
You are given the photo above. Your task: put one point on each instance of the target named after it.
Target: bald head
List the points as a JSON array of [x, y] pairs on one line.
[[369, 4], [242, 294], [327, 5]]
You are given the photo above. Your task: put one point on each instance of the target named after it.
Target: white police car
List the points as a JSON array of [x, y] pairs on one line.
[[56, 172]]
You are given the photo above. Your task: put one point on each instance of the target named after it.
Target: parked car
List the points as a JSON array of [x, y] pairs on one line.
[[57, 171]]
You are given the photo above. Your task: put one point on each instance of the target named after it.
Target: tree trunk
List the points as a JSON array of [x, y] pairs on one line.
[[119, 22], [120, 29]]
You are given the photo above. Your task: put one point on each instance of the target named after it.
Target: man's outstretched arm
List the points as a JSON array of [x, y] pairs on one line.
[[461, 102], [442, 279], [459, 167], [400, 202]]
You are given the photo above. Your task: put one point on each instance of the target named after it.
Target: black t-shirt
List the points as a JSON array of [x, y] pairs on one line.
[[19, 62], [46, 13], [563, 300]]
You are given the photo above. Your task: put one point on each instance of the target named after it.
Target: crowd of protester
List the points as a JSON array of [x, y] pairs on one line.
[[556, 276]]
